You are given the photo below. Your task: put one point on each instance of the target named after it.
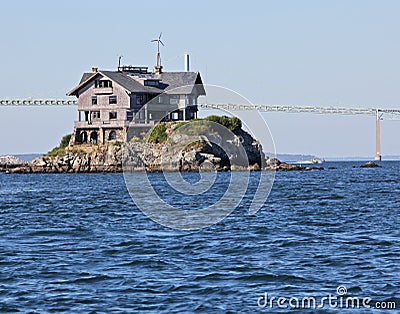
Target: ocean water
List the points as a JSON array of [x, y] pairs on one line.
[[77, 243]]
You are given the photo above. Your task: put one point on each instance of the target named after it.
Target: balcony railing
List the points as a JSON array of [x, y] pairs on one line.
[[100, 124]]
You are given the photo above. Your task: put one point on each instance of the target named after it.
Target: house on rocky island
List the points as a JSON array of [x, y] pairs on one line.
[[112, 102]]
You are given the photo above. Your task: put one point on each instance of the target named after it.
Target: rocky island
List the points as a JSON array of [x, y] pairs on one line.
[[157, 154]]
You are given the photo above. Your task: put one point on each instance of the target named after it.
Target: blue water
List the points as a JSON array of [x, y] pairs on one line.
[[77, 243]]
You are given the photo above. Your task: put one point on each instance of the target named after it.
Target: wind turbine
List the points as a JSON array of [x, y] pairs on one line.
[[158, 40]]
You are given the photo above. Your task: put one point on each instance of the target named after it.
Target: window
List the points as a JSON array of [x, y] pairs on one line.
[[102, 83], [83, 137], [94, 100], [112, 100], [140, 99], [113, 115], [93, 137], [112, 136], [96, 115], [174, 99]]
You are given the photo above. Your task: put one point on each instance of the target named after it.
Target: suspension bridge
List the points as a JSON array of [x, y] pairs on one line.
[[379, 113]]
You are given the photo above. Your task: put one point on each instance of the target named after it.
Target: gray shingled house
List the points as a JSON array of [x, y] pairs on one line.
[[111, 102]]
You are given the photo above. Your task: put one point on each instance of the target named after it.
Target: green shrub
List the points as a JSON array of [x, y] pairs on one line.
[[60, 149], [65, 141], [233, 124], [158, 134]]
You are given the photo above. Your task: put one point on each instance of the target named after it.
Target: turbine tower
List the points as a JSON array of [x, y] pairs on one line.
[[158, 67]]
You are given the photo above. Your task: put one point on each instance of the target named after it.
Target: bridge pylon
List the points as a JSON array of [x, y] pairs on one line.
[[378, 156]]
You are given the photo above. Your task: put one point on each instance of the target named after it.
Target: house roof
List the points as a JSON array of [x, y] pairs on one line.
[[171, 82], [182, 82], [129, 83]]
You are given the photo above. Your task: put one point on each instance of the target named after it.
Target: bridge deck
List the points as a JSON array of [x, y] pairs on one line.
[[381, 113]]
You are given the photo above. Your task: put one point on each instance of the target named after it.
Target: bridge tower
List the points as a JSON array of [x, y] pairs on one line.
[[378, 156]]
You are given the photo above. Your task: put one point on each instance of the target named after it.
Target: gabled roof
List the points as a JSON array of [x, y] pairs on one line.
[[172, 82], [86, 76]]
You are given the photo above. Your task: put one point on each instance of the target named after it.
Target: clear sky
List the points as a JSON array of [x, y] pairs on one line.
[[309, 52]]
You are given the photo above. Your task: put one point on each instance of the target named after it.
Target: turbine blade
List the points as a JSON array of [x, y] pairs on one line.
[[162, 43]]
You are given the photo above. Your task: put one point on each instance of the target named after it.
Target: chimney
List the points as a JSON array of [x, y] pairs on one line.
[[186, 59], [94, 70], [158, 69]]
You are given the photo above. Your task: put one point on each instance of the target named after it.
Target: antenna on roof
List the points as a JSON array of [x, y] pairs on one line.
[[119, 61], [158, 67]]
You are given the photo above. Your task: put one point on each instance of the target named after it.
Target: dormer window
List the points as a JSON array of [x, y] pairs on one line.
[[151, 83], [102, 83]]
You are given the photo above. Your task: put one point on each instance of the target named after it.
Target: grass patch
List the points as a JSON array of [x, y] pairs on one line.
[[56, 151], [160, 132]]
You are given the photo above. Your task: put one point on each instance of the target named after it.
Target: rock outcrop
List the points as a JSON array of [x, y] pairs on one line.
[[9, 162], [370, 164], [277, 165], [83, 158]]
